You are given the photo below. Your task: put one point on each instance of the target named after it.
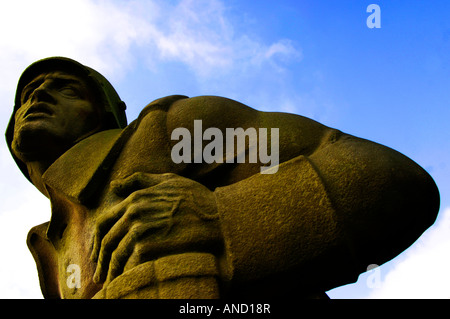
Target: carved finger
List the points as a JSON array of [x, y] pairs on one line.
[[147, 212], [134, 248], [105, 221], [109, 217], [125, 248], [126, 186], [107, 246]]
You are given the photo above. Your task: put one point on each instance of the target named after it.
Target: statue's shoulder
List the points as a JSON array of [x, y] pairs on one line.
[[208, 105], [214, 111], [199, 105], [163, 104]]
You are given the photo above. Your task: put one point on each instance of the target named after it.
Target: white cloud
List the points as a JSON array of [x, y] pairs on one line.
[[196, 33], [99, 33], [104, 34], [18, 275], [277, 53], [199, 34], [424, 270]]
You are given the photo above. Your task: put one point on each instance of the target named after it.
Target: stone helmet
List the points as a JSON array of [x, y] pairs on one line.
[[113, 106]]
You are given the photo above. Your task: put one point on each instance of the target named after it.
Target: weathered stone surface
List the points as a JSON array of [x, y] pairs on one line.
[[130, 222]]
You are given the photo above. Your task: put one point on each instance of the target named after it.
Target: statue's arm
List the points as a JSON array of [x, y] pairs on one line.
[[330, 215], [297, 136], [337, 203]]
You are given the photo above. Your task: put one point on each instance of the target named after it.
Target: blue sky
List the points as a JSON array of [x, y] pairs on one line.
[[314, 58]]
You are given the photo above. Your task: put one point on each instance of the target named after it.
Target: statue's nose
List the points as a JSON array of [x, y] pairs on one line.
[[42, 94]]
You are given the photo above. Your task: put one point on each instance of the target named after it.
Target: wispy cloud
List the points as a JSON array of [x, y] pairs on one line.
[[103, 33], [99, 33], [199, 34]]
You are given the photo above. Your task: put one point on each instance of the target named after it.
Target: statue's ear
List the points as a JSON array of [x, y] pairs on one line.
[[44, 255]]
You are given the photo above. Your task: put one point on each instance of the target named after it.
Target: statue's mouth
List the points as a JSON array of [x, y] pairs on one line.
[[39, 109]]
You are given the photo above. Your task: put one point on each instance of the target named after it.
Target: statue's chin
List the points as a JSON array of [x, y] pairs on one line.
[[35, 143]]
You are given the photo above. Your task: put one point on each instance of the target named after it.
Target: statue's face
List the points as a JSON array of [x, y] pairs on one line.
[[57, 109]]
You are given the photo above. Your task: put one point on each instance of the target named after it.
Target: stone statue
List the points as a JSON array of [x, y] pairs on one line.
[[131, 220]]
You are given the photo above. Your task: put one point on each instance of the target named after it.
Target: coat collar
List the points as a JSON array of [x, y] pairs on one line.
[[79, 172]]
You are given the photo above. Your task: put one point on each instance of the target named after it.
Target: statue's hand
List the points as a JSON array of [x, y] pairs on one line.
[[160, 214]]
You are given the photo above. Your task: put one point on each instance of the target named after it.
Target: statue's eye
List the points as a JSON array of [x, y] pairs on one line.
[[69, 91]]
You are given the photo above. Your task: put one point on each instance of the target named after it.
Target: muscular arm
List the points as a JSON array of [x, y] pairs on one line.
[[297, 135], [337, 203]]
